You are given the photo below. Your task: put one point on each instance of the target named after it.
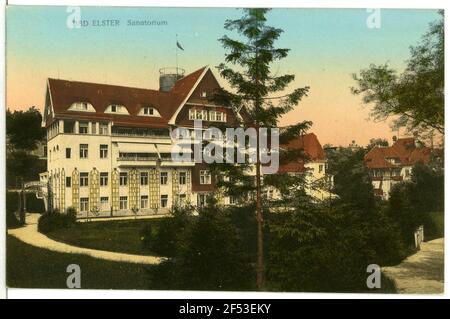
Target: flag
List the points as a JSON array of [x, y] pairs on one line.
[[179, 46]]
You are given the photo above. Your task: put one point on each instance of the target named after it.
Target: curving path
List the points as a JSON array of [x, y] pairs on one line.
[[421, 273], [30, 235]]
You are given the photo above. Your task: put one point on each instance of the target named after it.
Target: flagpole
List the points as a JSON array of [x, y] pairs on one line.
[[176, 52]]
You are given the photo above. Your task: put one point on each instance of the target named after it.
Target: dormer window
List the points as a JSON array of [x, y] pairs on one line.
[[116, 109], [81, 106], [149, 111]]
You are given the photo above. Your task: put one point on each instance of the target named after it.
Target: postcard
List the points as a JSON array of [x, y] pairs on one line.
[[225, 149]]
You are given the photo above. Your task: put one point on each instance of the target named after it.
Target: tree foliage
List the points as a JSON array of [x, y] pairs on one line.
[[416, 96], [322, 248], [411, 202], [23, 128], [213, 251], [254, 88], [352, 182]]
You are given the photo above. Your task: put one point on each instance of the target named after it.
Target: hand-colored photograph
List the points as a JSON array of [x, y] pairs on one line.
[[225, 149]]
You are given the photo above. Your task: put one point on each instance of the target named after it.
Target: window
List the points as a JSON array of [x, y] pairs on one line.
[[320, 168], [84, 150], [144, 201], [201, 200], [164, 178], [69, 126], [68, 151], [103, 151], [83, 128], [94, 127], [68, 181], [148, 110], [84, 179], [407, 172], [123, 202], [81, 106], [182, 178], [144, 178], [164, 200], [217, 116], [233, 200], [84, 204], [113, 108], [198, 114], [205, 177], [203, 94], [182, 198], [103, 129], [104, 179], [123, 180], [212, 116], [104, 203]]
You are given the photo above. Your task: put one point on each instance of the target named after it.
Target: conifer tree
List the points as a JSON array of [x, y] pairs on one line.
[[258, 96]]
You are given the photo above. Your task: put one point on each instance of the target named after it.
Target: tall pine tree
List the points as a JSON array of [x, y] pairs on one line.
[[258, 95]]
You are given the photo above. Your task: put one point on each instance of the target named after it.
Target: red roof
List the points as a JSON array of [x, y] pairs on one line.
[[310, 145], [403, 152], [64, 93]]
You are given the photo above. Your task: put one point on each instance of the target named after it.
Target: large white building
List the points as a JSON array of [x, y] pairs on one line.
[[109, 147]]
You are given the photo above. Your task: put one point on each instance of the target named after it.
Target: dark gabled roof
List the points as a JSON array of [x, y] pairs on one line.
[[64, 93], [404, 151]]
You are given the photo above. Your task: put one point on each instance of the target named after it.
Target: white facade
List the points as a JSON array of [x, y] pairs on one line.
[[113, 173]]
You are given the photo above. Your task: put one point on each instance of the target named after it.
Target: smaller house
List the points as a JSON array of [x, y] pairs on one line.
[[389, 165], [313, 164]]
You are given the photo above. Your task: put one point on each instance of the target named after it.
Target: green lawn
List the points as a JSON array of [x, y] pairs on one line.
[[31, 267], [123, 236]]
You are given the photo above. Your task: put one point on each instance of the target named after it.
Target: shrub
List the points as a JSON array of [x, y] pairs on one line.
[[208, 252], [11, 219], [49, 222], [163, 239], [71, 216]]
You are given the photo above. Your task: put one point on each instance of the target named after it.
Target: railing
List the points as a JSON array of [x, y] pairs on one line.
[[140, 135], [137, 158]]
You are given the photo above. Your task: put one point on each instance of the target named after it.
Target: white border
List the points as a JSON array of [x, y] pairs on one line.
[[57, 293]]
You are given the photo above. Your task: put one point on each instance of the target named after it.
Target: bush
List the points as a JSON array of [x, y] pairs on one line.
[[163, 239], [11, 219], [208, 252], [49, 222], [71, 216]]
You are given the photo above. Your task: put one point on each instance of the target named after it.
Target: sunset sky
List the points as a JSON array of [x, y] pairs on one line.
[[327, 46]]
